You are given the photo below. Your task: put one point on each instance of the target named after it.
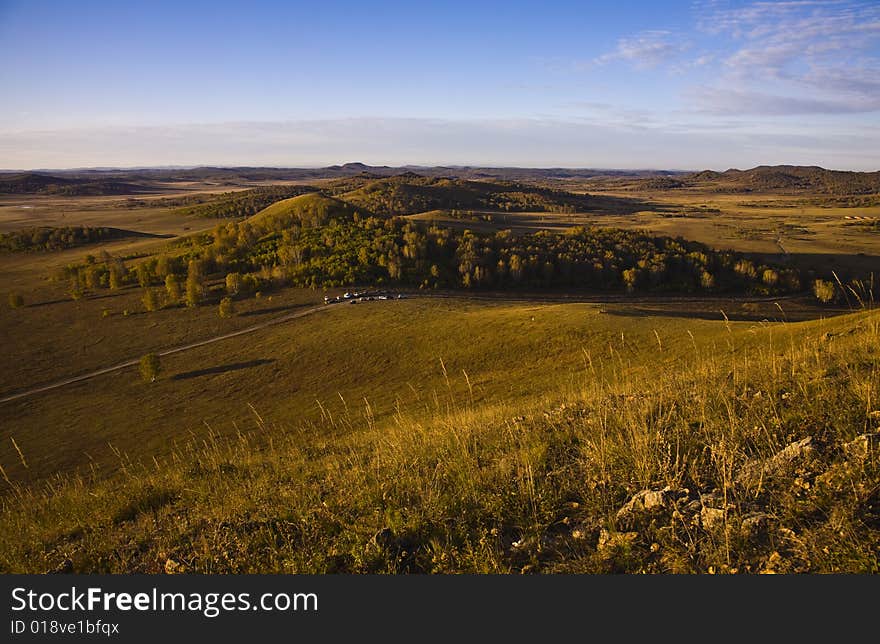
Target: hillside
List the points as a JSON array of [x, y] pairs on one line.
[[729, 449], [35, 183], [308, 210], [411, 193], [788, 179]]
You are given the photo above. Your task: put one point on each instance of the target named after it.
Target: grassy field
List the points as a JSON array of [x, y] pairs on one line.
[[704, 448], [377, 353]]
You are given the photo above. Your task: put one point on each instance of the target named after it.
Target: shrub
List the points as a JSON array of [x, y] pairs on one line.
[[824, 291], [150, 367], [226, 308]]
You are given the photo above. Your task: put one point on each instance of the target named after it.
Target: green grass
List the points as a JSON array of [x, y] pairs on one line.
[[383, 352], [519, 466]]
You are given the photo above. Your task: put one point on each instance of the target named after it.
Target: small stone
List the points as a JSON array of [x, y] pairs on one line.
[[755, 523], [613, 540], [711, 518], [862, 446], [754, 471], [645, 501], [799, 450], [773, 562]]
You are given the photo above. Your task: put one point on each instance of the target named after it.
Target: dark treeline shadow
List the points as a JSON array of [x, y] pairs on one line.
[[788, 311], [845, 265]]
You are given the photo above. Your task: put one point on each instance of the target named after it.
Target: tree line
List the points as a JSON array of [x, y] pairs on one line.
[[241, 259], [47, 238], [398, 251]]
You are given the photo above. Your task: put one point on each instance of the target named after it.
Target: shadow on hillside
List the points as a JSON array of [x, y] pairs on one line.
[[846, 265], [226, 368], [733, 316], [63, 300], [126, 233], [764, 312]]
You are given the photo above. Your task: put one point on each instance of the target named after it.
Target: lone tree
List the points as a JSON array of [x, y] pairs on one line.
[[150, 367], [227, 308], [195, 285], [144, 274], [824, 291], [150, 300], [76, 290], [233, 283], [117, 276], [172, 287]]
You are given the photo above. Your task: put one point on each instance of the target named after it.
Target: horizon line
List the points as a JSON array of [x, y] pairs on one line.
[[459, 166]]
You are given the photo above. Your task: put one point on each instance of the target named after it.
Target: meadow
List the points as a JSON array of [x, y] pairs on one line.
[[715, 448]]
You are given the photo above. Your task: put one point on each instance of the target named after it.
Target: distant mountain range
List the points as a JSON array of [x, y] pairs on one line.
[[103, 181]]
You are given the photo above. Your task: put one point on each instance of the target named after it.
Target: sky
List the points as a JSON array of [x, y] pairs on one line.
[[619, 84]]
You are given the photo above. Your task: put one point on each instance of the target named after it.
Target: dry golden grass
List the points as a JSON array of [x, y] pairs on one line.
[[493, 486]]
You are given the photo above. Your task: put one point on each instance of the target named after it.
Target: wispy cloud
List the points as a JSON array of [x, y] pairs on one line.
[[788, 31], [646, 50], [818, 56], [714, 100]]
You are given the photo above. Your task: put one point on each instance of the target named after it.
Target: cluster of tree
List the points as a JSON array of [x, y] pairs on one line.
[[396, 250], [241, 259], [111, 272], [165, 280], [167, 202], [47, 238], [855, 293], [244, 203], [854, 201]]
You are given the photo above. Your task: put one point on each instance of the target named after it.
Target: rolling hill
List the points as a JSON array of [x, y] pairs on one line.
[[308, 210], [788, 179], [36, 183], [411, 193]]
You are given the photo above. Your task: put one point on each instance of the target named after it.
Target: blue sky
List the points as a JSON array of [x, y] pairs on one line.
[[627, 84]]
